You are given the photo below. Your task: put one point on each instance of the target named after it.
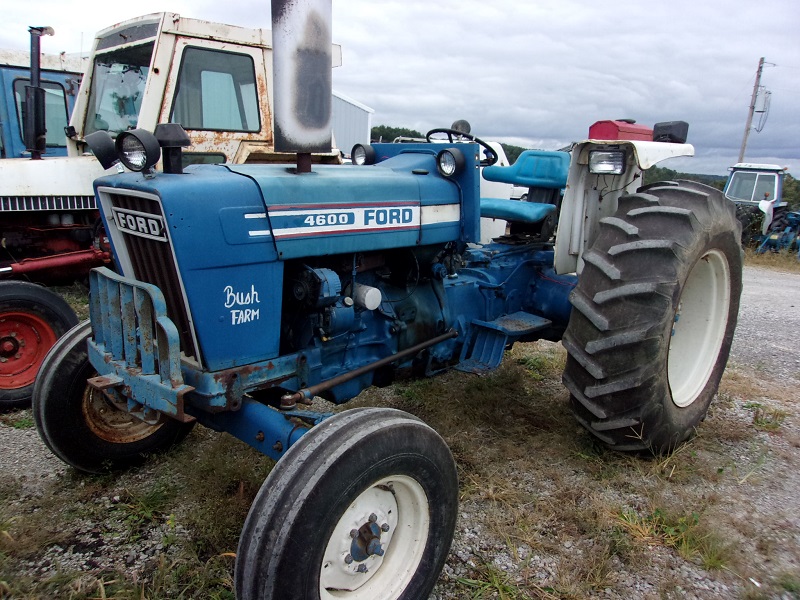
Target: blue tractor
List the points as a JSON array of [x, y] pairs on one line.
[[244, 291]]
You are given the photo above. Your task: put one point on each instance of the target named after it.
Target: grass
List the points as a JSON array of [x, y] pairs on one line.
[[765, 417], [776, 261], [533, 483], [18, 419]]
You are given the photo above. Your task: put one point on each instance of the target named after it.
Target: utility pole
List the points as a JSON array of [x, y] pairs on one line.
[[752, 109]]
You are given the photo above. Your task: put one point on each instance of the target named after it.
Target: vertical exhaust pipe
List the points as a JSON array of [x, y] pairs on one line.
[[35, 130], [302, 89]]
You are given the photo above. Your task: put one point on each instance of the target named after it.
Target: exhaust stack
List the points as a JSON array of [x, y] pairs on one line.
[[34, 129], [302, 89]]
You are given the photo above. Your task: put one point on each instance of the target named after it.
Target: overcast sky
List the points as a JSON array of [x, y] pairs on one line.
[[531, 73]]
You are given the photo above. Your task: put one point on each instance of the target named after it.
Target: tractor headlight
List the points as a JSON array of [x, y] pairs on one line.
[[450, 162], [138, 149], [362, 154], [607, 162]]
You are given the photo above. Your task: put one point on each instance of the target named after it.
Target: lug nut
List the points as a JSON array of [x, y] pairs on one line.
[[362, 568], [373, 517], [354, 533], [348, 559], [385, 527]]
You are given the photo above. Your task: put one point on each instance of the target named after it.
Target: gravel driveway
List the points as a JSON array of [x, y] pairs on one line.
[[768, 333]]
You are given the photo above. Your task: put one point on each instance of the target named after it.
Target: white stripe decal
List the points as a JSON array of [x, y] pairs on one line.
[[441, 213]]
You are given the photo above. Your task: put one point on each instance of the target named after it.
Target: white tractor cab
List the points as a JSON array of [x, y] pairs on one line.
[[215, 80], [756, 187]]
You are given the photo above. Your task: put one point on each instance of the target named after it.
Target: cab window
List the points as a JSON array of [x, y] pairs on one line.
[[216, 90], [55, 107]]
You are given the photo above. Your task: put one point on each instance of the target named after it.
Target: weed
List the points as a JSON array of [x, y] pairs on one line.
[[140, 509], [790, 582], [20, 419], [681, 532], [489, 582], [77, 296], [766, 418]]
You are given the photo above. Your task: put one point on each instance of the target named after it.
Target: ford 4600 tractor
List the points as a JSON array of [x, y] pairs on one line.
[[244, 291]]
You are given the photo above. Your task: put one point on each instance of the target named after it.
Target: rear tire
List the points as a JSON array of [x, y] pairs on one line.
[[32, 318], [654, 314], [81, 425]]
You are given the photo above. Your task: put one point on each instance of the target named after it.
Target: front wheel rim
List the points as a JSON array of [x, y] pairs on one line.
[[393, 515], [699, 326], [112, 423]]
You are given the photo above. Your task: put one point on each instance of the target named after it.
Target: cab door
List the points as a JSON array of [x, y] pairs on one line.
[[220, 98]]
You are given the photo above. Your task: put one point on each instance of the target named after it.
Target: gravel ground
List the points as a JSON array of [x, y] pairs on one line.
[[768, 332], [765, 343]]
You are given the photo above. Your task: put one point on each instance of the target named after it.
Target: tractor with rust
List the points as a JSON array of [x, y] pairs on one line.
[[244, 291]]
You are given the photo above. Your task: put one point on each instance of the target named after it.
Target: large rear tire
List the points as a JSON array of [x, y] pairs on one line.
[[653, 317], [362, 507], [81, 425], [32, 318]]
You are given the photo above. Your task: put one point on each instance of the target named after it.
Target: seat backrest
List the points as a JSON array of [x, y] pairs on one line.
[[533, 169]]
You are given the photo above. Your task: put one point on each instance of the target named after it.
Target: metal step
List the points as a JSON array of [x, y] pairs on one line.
[[488, 340]]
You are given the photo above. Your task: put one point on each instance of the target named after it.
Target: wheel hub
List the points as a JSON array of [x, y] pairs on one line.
[[367, 540], [111, 421], [8, 347], [25, 339]]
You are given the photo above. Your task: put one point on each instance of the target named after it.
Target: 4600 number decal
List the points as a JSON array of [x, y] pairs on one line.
[[345, 218]]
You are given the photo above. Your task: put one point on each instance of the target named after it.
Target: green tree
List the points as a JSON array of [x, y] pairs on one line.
[[654, 174], [512, 152], [386, 133], [791, 191]]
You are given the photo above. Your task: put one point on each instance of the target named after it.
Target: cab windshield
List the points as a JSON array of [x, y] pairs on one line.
[[752, 186], [118, 89]]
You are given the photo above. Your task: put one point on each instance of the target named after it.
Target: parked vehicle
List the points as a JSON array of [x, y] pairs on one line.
[[757, 192], [244, 291], [159, 68], [60, 78]]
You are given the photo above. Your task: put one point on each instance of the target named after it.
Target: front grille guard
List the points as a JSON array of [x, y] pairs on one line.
[[135, 347]]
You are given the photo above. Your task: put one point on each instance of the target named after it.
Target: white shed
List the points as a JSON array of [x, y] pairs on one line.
[[351, 122]]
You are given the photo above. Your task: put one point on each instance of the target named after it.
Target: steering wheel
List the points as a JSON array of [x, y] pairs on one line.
[[491, 155]]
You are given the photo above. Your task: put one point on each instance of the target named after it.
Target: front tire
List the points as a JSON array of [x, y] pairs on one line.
[[362, 507], [654, 314], [32, 318], [81, 425]]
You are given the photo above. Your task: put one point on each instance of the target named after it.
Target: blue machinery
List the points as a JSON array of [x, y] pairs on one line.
[[247, 290]]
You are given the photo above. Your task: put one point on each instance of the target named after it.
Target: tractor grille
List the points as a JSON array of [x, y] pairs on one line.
[[153, 263], [36, 203]]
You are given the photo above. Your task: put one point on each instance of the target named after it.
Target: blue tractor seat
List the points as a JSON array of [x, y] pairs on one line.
[[515, 210], [533, 169], [543, 172]]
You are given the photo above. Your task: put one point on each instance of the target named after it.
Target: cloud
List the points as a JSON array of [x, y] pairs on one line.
[[538, 72]]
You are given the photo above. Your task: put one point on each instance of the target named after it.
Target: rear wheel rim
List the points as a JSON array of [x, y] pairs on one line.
[[698, 329], [25, 339]]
